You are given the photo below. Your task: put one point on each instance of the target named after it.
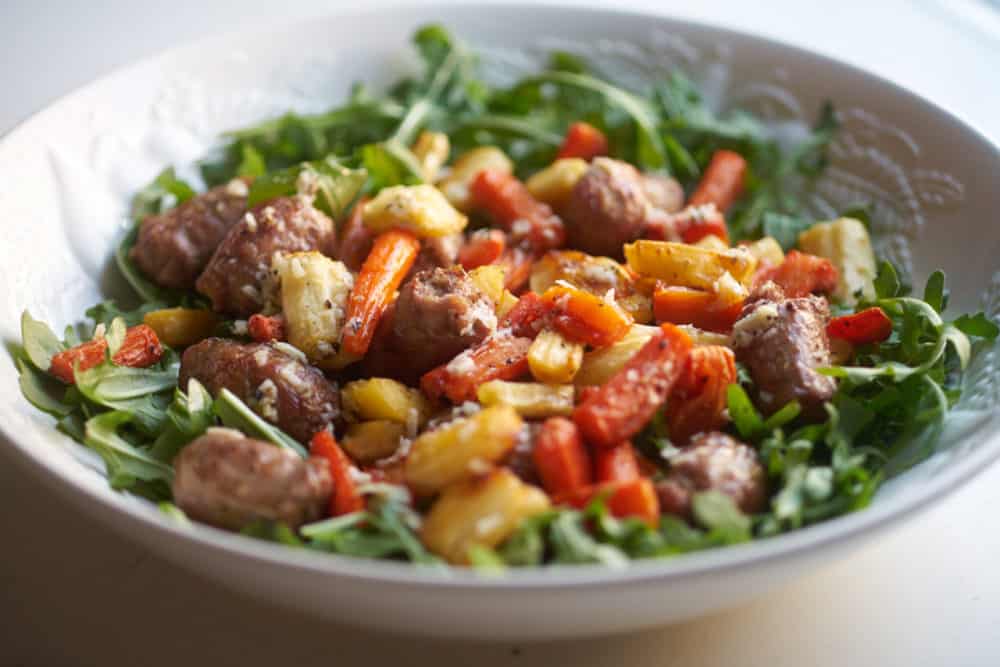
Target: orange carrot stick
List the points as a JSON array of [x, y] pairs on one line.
[[496, 358], [616, 464], [482, 248], [698, 401], [622, 406], [560, 457], [722, 182], [683, 305], [390, 259], [635, 498], [583, 140], [516, 211], [140, 348], [585, 317], [345, 498]]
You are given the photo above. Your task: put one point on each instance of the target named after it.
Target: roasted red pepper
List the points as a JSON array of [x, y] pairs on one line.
[[871, 325]]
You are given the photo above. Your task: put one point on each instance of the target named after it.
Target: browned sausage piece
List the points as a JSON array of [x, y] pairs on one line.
[[607, 208], [229, 480], [173, 247], [713, 462], [664, 193], [279, 387], [439, 313], [234, 278], [782, 341]]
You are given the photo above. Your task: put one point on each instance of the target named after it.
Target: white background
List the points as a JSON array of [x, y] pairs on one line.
[[72, 592]]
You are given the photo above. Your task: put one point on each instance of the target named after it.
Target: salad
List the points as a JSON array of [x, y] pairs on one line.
[[553, 322]]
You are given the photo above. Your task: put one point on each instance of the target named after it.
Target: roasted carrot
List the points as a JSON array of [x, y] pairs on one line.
[[264, 328], [583, 140], [560, 457], [616, 464], [586, 318], [140, 348], [871, 325], [698, 400], [345, 498], [528, 316], [722, 182], [483, 247], [500, 357], [515, 210], [622, 406], [517, 263], [355, 239], [684, 305], [390, 259], [801, 274], [635, 498]]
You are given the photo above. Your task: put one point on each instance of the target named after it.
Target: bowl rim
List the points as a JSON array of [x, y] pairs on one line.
[[800, 542]]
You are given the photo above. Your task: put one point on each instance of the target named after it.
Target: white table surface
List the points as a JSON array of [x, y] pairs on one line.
[[73, 592]]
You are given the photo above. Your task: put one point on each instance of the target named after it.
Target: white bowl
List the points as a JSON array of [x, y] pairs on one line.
[[67, 174]]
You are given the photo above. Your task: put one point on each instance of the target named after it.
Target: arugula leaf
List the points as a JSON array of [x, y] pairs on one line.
[[174, 513], [335, 185], [378, 532], [785, 228], [126, 464], [40, 344], [41, 391], [977, 325], [252, 163], [572, 544], [746, 419], [718, 513], [107, 311], [188, 416], [887, 284], [390, 163], [650, 153], [234, 413], [165, 192], [935, 293], [139, 392]]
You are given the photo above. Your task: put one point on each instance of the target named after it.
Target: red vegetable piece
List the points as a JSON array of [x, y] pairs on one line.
[[871, 325]]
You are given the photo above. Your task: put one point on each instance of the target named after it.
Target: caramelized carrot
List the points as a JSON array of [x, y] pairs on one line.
[[345, 498], [560, 457], [140, 348], [264, 328], [586, 318], [871, 325], [683, 305], [583, 140], [496, 358], [801, 274], [515, 210], [622, 406], [635, 498], [616, 464], [528, 316], [698, 401], [390, 259], [517, 263], [722, 182], [482, 248]]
